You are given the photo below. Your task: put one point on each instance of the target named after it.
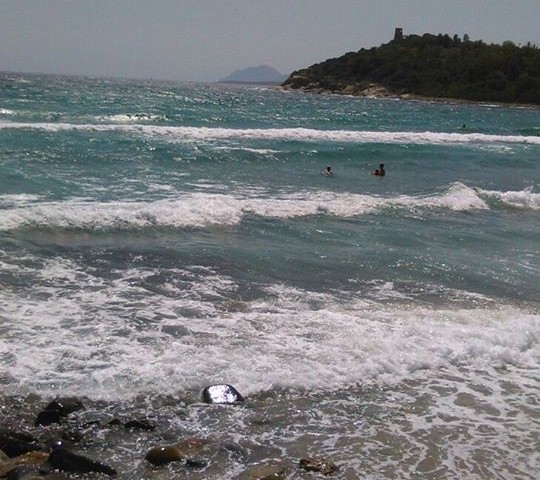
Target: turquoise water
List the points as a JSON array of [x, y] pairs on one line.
[[156, 237]]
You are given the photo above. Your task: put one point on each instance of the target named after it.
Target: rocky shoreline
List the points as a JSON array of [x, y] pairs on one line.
[[360, 89], [378, 91], [69, 440], [432, 425]]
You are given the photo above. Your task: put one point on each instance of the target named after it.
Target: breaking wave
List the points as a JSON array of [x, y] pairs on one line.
[[201, 209], [285, 134], [525, 199], [337, 344]]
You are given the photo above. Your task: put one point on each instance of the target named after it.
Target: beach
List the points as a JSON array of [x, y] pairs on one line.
[[159, 237]]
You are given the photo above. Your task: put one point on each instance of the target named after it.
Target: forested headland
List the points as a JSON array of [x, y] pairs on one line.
[[436, 66]]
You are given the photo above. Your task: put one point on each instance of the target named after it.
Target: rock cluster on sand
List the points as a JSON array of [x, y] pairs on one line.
[[26, 456]]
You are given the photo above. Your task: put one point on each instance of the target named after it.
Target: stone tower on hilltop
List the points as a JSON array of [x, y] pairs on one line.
[[398, 34]]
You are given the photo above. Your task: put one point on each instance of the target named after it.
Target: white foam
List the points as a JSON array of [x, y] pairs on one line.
[[7, 112], [205, 209], [195, 210], [20, 199], [457, 197], [262, 151], [519, 199], [85, 335], [284, 134], [123, 118]]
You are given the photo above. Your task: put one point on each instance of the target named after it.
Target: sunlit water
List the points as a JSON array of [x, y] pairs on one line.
[[158, 237]]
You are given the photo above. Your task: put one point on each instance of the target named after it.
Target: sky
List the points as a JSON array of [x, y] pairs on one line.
[[205, 40]]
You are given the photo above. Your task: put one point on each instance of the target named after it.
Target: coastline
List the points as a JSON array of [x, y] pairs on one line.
[[377, 91], [378, 428]]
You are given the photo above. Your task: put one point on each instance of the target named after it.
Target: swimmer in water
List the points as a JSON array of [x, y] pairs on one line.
[[380, 171], [328, 171]]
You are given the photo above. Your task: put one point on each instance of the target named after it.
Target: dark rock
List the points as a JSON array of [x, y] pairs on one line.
[[14, 447], [221, 394], [47, 417], [139, 425], [67, 461], [196, 463], [185, 451], [58, 408], [25, 437], [65, 406], [135, 424], [162, 455], [319, 465]]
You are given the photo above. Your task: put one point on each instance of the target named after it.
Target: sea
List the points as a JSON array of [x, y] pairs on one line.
[[157, 237]]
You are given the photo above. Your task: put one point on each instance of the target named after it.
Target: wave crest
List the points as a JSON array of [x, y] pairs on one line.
[[199, 210], [182, 133], [525, 199]]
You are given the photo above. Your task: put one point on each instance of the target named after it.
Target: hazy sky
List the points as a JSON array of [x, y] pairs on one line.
[[207, 39]]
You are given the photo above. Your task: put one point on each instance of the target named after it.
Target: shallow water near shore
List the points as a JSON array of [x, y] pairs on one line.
[[158, 237], [463, 424]]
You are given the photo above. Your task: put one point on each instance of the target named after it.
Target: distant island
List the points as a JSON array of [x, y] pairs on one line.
[[263, 74], [435, 66]]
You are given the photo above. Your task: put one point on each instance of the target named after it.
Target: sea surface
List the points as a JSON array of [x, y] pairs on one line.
[[159, 237]]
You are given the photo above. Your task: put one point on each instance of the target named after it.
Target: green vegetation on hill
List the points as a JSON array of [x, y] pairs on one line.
[[431, 66]]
